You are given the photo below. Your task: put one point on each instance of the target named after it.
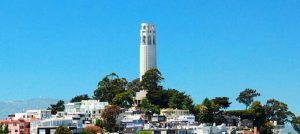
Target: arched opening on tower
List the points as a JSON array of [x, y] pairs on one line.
[[144, 39], [149, 40]]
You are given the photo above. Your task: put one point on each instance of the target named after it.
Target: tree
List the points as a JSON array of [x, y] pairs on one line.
[[158, 97], [205, 111], [258, 114], [151, 83], [99, 123], [5, 130], [79, 98], [175, 101], [59, 106], [93, 129], [148, 107], [123, 99], [151, 80], [161, 98], [296, 123], [277, 111], [134, 85], [1, 128], [109, 116], [62, 130], [246, 97], [110, 86], [180, 100], [221, 102], [84, 132], [267, 128], [188, 103]]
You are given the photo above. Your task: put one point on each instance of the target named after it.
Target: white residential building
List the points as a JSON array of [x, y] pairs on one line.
[[48, 126], [20, 116], [92, 107], [204, 129], [74, 121], [39, 114], [36, 114], [178, 115]]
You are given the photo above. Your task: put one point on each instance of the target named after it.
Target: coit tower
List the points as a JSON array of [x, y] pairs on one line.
[[147, 48]]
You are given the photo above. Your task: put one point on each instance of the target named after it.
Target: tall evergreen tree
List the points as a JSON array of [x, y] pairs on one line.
[[134, 85], [278, 111], [180, 100], [59, 106], [79, 98], [123, 99], [258, 114], [151, 80], [149, 108], [151, 83], [109, 87], [205, 111], [246, 97], [221, 102]]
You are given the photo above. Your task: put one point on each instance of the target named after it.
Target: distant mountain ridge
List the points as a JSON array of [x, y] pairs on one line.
[[18, 106]]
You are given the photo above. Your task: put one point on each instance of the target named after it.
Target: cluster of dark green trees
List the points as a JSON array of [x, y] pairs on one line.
[[3, 129], [119, 92], [261, 115]]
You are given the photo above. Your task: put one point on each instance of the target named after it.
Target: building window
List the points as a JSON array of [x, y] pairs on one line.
[[149, 40], [154, 42]]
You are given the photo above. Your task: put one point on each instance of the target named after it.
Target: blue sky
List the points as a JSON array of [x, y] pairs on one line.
[[59, 49]]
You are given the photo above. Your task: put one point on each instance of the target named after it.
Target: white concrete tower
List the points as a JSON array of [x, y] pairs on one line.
[[147, 48]]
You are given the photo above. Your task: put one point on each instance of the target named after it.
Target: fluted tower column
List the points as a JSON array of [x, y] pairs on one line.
[[147, 48]]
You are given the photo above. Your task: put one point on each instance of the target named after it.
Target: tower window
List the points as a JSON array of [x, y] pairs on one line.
[[154, 42], [149, 40], [144, 39]]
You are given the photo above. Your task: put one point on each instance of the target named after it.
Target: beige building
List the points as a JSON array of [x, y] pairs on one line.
[[139, 96], [169, 112]]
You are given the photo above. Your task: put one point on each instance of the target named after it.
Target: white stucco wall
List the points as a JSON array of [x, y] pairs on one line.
[[147, 48]]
